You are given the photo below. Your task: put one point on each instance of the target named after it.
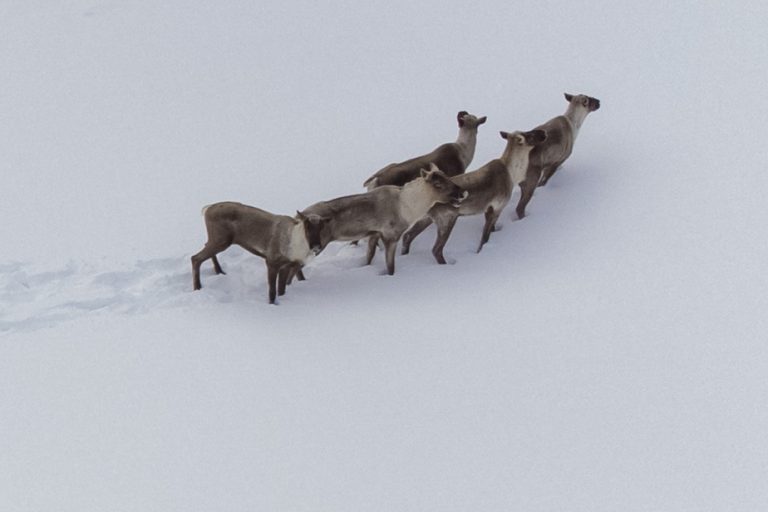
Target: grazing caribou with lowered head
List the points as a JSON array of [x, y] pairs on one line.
[[451, 158], [285, 243], [561, 134], [385, 212], [488, 191]]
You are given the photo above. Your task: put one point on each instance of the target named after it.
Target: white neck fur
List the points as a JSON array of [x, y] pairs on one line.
[[576, 115], [516, 160], [467, 140], [298, 249], [415, 200]]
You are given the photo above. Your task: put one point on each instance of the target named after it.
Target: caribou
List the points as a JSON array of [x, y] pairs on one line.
[[286, 243], [547, 158], [488, 191], [452, 158], [385, 212]]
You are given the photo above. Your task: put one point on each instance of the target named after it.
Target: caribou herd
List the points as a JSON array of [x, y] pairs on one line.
[[401, 201]]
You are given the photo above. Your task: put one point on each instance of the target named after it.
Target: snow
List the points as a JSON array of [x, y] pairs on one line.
[[605, 353]]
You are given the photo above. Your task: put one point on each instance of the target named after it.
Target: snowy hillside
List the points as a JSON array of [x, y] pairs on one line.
[[608, 352]]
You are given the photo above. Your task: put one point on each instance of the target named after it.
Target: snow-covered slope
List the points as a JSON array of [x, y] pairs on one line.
[[605, 353]]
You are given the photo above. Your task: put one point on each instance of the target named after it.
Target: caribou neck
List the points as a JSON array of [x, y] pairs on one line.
[[467, 140], [413, 202], [576, 115], [515, 158], [298, 247]]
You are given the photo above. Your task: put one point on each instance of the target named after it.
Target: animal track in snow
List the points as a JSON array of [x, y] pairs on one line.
[[35, 296], [32, 297]]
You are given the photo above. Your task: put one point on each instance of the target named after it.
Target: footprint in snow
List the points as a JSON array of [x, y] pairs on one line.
[[32, 296]]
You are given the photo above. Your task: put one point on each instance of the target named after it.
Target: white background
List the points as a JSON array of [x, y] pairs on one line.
[[606, 353]]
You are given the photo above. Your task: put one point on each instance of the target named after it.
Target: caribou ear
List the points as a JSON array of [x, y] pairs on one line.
[[482, 120], [300, 216], [568, 97], [423, 173], [504, 135]]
